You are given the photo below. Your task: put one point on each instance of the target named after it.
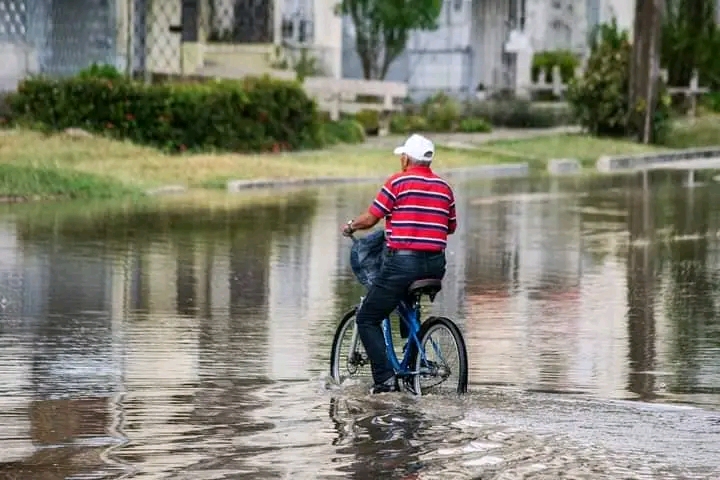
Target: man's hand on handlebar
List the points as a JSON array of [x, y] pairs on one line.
[[347, 229], [361, 222]]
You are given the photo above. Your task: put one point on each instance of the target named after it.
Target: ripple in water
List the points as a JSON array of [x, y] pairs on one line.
[[194, 343]]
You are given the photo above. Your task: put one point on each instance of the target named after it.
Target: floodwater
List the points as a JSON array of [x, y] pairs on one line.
[[193, 342]]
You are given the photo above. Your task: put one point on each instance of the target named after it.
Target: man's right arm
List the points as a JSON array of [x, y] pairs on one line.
[[384, 201], [381, 206]]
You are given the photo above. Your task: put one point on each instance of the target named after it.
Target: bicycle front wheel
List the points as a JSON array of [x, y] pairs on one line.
[[348, 358], [442, 363]]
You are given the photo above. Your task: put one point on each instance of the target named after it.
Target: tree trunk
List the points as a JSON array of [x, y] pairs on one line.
[[645, 66]]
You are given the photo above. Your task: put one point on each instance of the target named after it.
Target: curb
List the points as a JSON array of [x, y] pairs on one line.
[[623, 163], [167, 190], [487, 171]]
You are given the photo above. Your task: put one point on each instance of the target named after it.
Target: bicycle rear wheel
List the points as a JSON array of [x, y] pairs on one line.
[[444, 367], [348, 358]]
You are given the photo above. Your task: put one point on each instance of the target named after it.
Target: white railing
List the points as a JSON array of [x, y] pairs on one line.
[[340, 95], [554, 83]]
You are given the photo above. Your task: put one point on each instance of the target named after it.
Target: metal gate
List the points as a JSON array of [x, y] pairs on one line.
[[242, 21], [59, 37]]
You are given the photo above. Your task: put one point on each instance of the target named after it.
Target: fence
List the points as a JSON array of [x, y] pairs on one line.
[[553, 83], [37, 36], [206, 38], [227, 38], [140, 36], [690, 92]]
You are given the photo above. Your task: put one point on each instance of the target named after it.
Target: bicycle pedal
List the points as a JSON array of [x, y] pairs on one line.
[[407, 385]]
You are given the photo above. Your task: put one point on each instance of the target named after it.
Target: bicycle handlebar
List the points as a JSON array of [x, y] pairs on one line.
[[351, 236]]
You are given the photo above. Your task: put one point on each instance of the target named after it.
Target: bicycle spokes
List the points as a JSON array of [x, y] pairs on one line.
[[434, 365]]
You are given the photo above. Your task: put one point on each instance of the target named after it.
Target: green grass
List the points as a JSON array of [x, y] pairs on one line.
[[698, 132], [585, 148], [48, 182], [36, 165], [145, 167]]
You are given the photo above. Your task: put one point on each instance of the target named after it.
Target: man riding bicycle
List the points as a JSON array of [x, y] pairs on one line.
[[419, 211]]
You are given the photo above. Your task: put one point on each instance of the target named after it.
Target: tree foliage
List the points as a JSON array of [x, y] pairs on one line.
[[600, 98], [690, 40], [382, 28]]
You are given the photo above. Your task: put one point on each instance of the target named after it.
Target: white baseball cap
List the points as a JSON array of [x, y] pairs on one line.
[[417, 147]]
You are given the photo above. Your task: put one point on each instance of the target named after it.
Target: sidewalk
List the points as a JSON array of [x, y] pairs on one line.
[[469, 140]]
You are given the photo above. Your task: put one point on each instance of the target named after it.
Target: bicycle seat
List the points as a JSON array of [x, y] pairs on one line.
[[425, 286]]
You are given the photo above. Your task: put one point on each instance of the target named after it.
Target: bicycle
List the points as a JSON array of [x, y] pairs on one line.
[[415, 367]]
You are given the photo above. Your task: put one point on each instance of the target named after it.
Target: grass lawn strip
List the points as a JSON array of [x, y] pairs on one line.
[[34, 164]]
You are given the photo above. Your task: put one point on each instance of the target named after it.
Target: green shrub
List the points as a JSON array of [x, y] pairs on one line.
[[441, 112], [543, 63], [403, 123], [351, 131], [95, 70], [600, 98], [399, 123], [710, 101], [542, 68], [343, 131], [370, 120], [474, 125], [5, 110], [517, 113], [255, 114]]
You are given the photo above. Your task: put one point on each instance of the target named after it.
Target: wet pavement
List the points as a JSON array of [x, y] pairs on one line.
[[193, 343]]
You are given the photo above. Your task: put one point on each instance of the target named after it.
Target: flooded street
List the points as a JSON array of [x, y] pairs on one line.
[[192, 341]]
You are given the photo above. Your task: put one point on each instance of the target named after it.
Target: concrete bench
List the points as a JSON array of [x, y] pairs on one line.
[[564, 166], [340, 95]]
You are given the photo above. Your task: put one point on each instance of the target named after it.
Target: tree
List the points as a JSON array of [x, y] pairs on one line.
[[645, 67], [601, 97], [382, 28], [690, 40]]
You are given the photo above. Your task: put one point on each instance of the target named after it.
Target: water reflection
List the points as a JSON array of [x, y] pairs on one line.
[[193, 342]]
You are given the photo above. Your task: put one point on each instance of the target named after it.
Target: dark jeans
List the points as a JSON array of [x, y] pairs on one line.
[[388, 289]]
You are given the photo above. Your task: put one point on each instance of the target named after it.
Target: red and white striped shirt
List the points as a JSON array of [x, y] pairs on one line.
[[419, 210]]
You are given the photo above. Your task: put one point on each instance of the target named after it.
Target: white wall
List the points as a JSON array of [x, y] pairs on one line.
[[328, 35], [557, 24], [325, 40], [489, 34], [17, 61], [622, 10]]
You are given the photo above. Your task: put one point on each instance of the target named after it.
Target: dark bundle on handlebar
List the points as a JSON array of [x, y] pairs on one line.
[[366, 256]]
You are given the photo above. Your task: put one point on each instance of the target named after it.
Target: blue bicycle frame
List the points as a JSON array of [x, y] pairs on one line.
[[411, 317]]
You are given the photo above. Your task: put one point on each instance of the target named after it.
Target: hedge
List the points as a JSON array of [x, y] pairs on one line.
[[543, 63], [519, 113], [401, 123], [438, 113], [253, 114], [342, 131]]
